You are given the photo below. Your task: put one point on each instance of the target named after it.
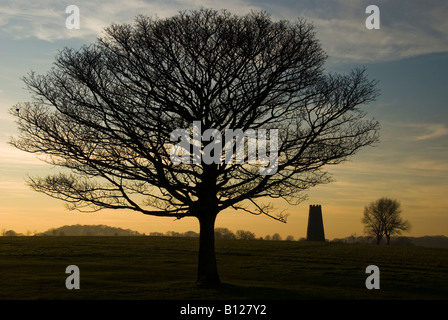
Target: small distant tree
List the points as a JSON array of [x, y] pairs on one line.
[[276, 237], [245, 235], [224, 233], [382, 218], [191, 234]]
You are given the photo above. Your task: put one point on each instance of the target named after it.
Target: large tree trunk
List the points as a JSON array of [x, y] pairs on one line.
[[207, 268]]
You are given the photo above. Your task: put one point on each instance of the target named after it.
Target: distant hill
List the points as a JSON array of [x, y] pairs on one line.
[[430, 241], [89, 230]]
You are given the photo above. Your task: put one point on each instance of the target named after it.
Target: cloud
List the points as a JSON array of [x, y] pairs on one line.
[[433, 131], [408, 133], [433, 167], [417, 131], [12, 157], [407, 29], [46, 20]]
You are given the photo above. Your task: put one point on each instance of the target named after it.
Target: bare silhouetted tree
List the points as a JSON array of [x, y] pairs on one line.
[[244, 235], [224, 233], [382, 218], [276, 237], [105, 114]]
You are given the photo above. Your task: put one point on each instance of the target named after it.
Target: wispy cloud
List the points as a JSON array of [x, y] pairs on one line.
[[412, 132], [407, 29], [433, 131], [13, 157], [46, 20]]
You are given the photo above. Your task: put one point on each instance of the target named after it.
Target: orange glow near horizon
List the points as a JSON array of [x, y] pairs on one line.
[[34, 212], [420, 187]]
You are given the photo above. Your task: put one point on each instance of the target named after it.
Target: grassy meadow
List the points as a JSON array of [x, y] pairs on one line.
[[165, 268]]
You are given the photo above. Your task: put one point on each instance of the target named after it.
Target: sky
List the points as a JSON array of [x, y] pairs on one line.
[[408, 55]]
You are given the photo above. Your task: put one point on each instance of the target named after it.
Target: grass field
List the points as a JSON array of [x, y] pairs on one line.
[[165, 268]]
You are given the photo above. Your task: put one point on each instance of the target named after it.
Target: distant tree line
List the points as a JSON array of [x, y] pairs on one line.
[[224, 233], [103, 230], [425, 241]]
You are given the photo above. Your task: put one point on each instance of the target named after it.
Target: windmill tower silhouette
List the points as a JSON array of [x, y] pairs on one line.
[[315, 231]]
